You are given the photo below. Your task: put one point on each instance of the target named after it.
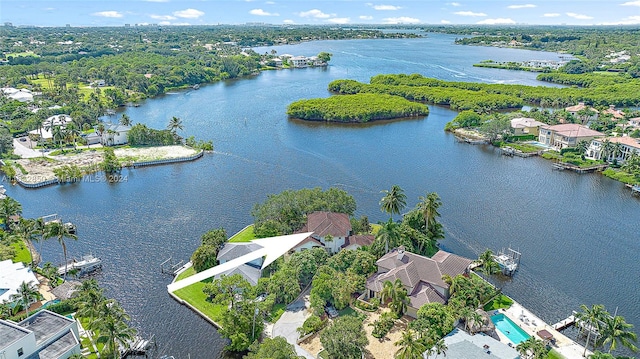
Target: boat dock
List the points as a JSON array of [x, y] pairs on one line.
[[578, 169], [635, 189], [88, 264], [137, 346], [170, 267], [508, 261], [55, 218], [565, 323]]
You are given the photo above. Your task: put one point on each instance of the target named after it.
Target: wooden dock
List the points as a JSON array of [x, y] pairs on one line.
[[635, 189], [565, 323], [578, 169]]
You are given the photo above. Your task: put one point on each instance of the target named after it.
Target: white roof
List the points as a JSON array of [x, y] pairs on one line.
[[524, 122], [271, 248], [57, 120], [11, 276], [22, 96]]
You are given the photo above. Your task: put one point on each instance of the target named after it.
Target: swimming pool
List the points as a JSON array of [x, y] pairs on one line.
[[509, 329]]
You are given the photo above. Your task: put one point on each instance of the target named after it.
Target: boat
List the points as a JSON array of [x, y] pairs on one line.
[[70, 227], [508, 261], [196, 86], [86, 265]]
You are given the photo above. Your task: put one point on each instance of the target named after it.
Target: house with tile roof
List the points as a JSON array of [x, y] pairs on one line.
[[615, 113], [577, 112], [566, 135], [525, 126], [420, 276], [331, 231], [626, 146]]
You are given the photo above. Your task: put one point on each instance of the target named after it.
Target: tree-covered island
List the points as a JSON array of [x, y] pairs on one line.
[[364, 107]]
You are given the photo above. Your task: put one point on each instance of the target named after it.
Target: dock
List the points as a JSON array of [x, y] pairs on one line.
[[565, 323], [169, 267], [635, 189], [137, 346], [578, 169], [508, 261]]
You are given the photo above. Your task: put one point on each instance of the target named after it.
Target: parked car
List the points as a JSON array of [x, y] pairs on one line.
[[331, 312]]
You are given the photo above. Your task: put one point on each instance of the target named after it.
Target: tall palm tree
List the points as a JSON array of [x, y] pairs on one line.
[[26, 292], [125, 120], [71, 133], [397, 294], [57, 133], [9, 207], [110, 324], [488, 262], [60, 231], [593, 316], [532, 348], [617, 330], [429, 205], [388, 234], [174, 125], [440, 348], [410, 346], [25, 230], [393, 201], [41, 228]]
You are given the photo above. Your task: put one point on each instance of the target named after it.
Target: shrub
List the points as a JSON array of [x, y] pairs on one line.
[[311, 325], [383, 325]]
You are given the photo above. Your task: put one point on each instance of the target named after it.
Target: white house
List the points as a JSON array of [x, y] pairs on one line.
[[22, 95], [12, 275], [114, 134], [298, 61], [45, 132], [626, 146], [42, 335], [330, 229]]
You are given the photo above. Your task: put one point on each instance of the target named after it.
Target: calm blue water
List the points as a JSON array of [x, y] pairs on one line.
[[579, 234], [510, 329]]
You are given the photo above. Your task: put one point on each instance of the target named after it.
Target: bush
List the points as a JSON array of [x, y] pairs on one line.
[[63, 307], [311, 325], [383, 325]]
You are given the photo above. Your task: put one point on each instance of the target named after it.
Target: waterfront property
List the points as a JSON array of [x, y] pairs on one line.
[[462, 345], [331, 231], [566, 135], [46, 132], [420, 276], [12, 275], [512, 331], [114, 134], [252, 270], [525, 126], [44, 335], [625, 147], [583, 112]]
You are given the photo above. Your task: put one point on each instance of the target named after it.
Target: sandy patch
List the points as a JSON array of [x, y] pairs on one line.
[[312, 344], [41, 169], [470, 134]]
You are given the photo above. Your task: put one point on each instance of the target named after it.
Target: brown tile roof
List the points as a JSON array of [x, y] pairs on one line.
[[310, 239], [627, 141], [325, 223], [450, 263], [578, 107], [615, 113], [573, 130], [360, 239], [423, 294]]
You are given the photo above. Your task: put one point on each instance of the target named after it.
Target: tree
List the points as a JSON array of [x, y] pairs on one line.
[[488, 262], [204, 257], [71, 133], [272, 348], [25, 230], [429, 205], [410, 346], [532, 348], [617, 330], [60, 231], [57, 133], [174, 125], [9, 207], [434, 318], [125, 120], [110, 163], [593, 317], [111, 327], [397, 294], [345, 338], [324, 56], [389, 235], [27, 292], [393, 201], [440, 347]]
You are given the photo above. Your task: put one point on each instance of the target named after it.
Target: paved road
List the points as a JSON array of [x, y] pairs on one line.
[[288, 324], [20, 149]]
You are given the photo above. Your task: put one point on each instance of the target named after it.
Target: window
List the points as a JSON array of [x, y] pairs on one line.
[[20, 352]]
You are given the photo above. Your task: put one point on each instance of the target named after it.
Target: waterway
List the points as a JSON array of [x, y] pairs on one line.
[[579, 234]]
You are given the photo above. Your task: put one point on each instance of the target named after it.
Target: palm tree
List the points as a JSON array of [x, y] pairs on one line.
[[26, 292], [58, 133], [125, 120], [71, 133], [60, 231], [617, 330], [440, 348], [174, 125], [532, 348], [429, 205], [9, 207], [410, 346], [594, 317], [25, 230], [389, 234], [110, 324], [606, 150], [488, 262], [393, 201], [397, 294], [41, 228]]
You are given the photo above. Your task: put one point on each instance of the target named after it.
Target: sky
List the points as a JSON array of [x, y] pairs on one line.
[[317, 12]]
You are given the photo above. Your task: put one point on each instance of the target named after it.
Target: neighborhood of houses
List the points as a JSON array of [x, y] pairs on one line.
[[297, 61]]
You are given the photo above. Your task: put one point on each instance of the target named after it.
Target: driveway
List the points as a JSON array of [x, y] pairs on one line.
[[289, 322], [21, 149]]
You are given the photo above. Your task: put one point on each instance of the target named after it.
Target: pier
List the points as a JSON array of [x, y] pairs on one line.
[[565, 323], [508, 261], [578, 169], [137, 346], [635, 189], [169, 267]]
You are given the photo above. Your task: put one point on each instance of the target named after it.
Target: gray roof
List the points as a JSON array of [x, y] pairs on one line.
[[234, 250], [116, 127], [45, 324], [66, 289], [10, 332], [250, 273], [59, 347], [464, 346]]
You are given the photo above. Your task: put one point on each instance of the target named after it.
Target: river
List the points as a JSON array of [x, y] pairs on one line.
[[579, 234]]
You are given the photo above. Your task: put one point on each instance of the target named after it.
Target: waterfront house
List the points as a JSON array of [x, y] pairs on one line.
[[626, 146], [42, 335], [298, 61], [615, 113], [331, 231], [525, 126], [114, 134], [12, 275], [45, 133], [462, 345], [575, 111], [566, 135], [420, 276], [277, 62], [250, 270], [356, 241]]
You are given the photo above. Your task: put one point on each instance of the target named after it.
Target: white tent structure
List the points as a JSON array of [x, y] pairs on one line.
[[272, 249]]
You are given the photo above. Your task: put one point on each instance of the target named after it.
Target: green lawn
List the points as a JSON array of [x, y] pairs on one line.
[[323, 354], [22, 54], [83, 88], [524, 147], [245, 235], [193, 295], [22, 253], [187, 273], [276, 312], [553, 354], [501, 301], [621, 176]]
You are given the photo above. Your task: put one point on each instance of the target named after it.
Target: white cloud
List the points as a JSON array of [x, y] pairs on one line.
[[108, 14], [401, 20], [579, 16], [551, 14], [470, 13], [631, 20], [260, 12], [454, 4], [498, 21], [288, 21], [386, 7], [523, 6], [631, 3], [314, 13], [162, 17], [365, 17], [445, 22], [156, 0], [188, 13], [270, 3], [339, 20]]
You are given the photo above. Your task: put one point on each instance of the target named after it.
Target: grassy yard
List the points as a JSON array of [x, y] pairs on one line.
[[571, 158], [22, 54], [193, 295], [621, 176], [501, 301], [553, 354], [323, 354], [245, 235], [524, 147], [187, 273], [83, 88], [22, 253]]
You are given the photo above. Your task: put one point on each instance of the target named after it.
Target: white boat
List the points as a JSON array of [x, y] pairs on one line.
[[86, 265]]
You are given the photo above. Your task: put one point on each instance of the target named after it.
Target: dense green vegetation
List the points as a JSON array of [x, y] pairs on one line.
[[363, 107]]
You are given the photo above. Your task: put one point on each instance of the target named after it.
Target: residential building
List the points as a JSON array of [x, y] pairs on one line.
[[620, 148], [46, 131], [356, 241], [12, 275], [461, 345], [525, 126], [575, 111], [250, 270], [43, 335], [114, 134], [298, 61], [420, 276], [566, 135], [277, 62], [22, 95], [615, 113], [330, 229]]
